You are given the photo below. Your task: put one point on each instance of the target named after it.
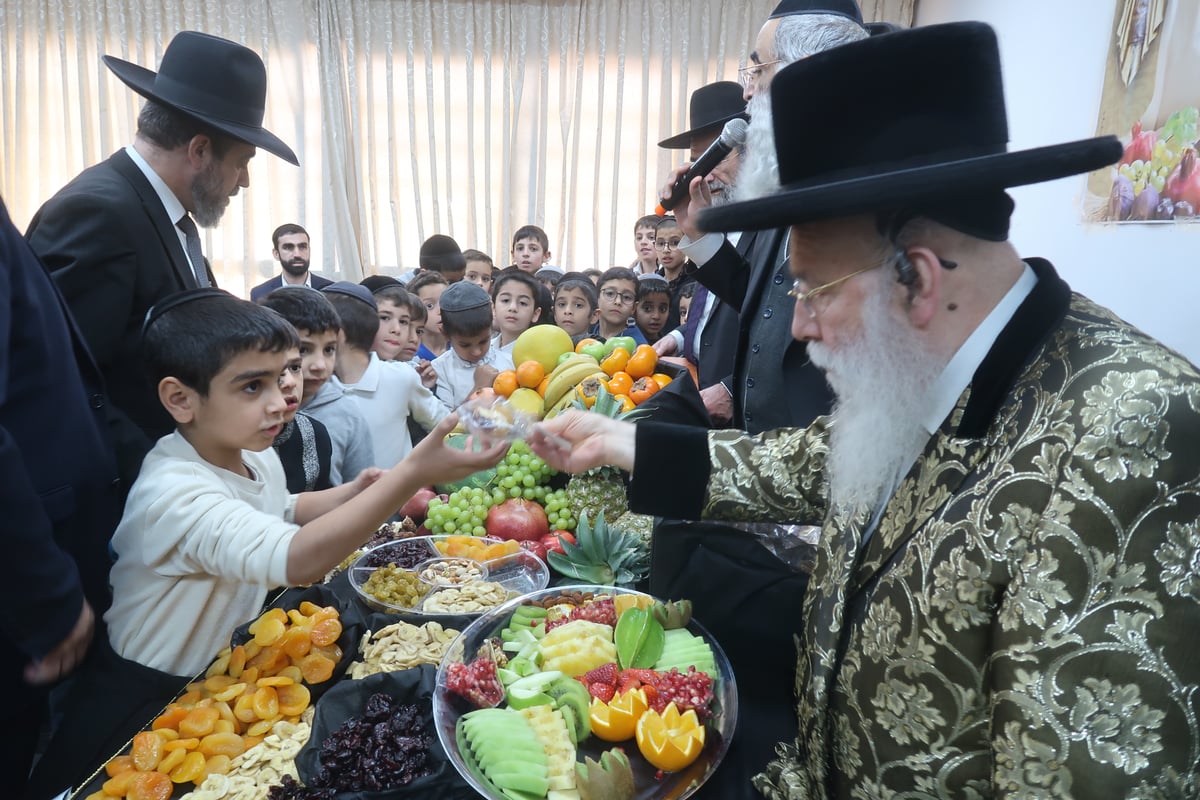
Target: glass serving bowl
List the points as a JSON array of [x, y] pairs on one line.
[[447, 708], [518, 573]]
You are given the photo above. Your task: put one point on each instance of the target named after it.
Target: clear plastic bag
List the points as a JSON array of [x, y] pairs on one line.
[[491, 420]]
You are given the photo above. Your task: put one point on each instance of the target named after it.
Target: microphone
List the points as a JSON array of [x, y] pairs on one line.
[[732, 135]]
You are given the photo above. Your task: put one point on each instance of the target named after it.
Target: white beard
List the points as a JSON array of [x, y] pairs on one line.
[[759, 174], [882, 381]]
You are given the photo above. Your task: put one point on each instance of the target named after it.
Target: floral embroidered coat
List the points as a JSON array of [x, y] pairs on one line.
[[1023, 622]]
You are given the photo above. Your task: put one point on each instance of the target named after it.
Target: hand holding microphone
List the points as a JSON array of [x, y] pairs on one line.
[[732, 135]]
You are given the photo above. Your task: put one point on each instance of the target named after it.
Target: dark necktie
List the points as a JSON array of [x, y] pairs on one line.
[[692, 327], [194, 253]]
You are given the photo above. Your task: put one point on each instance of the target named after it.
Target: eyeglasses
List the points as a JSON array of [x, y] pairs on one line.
[[663, 245], [753, 72], [806, 297], [613, 296]]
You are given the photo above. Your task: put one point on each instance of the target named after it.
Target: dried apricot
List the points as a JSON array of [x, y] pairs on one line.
[[146, 751], [118, 764], [226, 726], [326, 632], [150, 786], [252, 741], [332, 652], [118, 785], [216, 683], [226, 744], [274, 680], [296, 643], [293, 699], [215, 765], [182, 744], [190, 697], [237, 662], [225, 695], [190, 770], [296, 617], [269, 632], [266, 702], [262, 727], [308, 608], [171, 759], [170, 717], [243, 709], [324, 613], [316, 668], [292, 672], [167, 734], [199, 722], [217, 667], [250, 674]]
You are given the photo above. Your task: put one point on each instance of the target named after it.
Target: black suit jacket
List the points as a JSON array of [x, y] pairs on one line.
[[774, 383], [273, 283], [57, 472], [114, 253]]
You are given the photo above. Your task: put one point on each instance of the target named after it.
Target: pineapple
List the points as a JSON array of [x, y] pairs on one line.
[[603, 555], [640, 525], [577, 647], [600, 490]]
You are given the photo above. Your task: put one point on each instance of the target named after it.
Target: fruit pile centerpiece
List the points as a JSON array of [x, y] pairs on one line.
[[585, 692]]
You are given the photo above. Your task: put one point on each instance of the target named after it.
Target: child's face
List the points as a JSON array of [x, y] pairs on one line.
[[291, 382], [393, 330], [412, 343], [684, 304], [572, 312], [515, 309], [431, 296], [651, 313], [668, 236], [529, 256], [643, 240], [479, 273], [473, 347], [616, 302], [318, 354], [244, 409]]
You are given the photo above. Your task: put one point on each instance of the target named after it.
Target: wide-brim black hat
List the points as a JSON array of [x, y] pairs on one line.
[[219, 82], [711, 107], [893, 121]]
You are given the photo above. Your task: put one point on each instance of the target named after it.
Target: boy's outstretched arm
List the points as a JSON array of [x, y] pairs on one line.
[[322, 543]]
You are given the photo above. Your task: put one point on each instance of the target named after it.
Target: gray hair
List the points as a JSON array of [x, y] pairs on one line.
[[802, 35]]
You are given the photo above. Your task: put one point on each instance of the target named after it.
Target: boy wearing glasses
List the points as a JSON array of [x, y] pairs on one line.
[[673, 264], [618, 292]]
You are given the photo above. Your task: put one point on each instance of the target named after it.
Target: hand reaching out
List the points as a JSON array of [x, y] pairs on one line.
[[666, 346], [67, 654], [594, 440], [440, 463]]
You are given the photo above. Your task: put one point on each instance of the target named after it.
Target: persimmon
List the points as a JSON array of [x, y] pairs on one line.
[[643, 389], [642, 362], [620, 383]]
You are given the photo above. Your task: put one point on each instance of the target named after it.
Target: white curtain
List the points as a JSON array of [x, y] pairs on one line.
[[464, 117]]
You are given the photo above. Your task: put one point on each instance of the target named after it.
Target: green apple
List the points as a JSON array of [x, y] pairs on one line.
[[596, 351]]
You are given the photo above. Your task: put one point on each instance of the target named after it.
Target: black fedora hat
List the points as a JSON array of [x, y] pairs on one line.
[[711, 107], [219, 82], [841, 8], [902, 119]]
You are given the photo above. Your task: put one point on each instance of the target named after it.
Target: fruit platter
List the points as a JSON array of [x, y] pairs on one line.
[[585, 692], [445, 574]]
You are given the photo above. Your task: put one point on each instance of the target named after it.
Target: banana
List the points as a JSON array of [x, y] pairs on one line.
[[564, 377], [564, 402], [575, 358]]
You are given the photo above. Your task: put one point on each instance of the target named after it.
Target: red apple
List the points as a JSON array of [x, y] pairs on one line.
[[418, 505], [517, 519], [534, 546], [553, 541]]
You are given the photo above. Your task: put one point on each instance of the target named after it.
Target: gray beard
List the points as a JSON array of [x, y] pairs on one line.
[[759, 173], [882, 382], [209, 200]]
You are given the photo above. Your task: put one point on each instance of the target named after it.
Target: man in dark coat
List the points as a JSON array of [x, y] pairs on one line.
[[122, 234], [291, 248], [58, 493]]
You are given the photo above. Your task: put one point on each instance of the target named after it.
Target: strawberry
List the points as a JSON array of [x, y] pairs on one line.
[[605, 673], [602, 691]]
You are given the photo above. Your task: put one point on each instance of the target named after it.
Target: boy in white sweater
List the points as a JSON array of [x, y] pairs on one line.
[[209, 525]]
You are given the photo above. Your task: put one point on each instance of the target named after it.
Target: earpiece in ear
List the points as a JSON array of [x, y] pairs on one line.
[[906, 272]]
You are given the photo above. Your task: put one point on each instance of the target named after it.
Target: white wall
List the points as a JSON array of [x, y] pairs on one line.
[[1053, 54]]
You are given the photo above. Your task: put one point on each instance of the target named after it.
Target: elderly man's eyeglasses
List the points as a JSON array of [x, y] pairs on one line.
[[806, 297], [663, 245], [613, 296], [752, 72]]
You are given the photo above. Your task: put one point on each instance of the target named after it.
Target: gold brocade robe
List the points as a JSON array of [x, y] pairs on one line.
[[1024, 621]]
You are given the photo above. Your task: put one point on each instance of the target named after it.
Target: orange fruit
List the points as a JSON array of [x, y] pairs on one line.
[[530, 373], [617, 720], [505, 383], [670, 741], [662, 379], [541, 387]]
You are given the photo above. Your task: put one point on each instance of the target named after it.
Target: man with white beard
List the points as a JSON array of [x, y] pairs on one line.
[[772, 386], [1008, 485]]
